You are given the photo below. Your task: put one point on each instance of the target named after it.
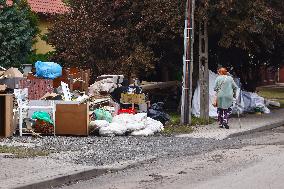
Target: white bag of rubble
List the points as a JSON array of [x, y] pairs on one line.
[[113, 129], [135, 126], [140, 117], [122, 119], [143, 132], [99, 123], [138, 124], [131, 122], [152, 126]]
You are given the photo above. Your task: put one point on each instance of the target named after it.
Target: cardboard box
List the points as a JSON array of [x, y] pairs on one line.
[[6, 115], [72, 119], [132, 98]]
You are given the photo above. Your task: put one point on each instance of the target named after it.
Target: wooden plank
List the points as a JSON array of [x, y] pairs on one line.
[[160, 85]]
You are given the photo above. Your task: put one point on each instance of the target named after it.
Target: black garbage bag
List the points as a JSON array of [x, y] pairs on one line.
[[158, 106], [156, 112]]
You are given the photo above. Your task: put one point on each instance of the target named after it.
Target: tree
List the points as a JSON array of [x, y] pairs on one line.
[[120, 36], [144, 36], [18, 27], [244, 34]]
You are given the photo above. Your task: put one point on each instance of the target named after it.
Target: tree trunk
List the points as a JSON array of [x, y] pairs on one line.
[[203, 70]]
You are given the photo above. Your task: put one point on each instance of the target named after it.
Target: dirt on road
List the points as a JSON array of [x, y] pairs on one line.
[[257, 161]]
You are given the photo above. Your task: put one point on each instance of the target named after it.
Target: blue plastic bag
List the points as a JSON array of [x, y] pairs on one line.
[[48, 70]]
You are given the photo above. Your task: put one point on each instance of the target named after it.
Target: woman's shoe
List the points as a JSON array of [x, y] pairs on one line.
[[221, 126], [226, 126]]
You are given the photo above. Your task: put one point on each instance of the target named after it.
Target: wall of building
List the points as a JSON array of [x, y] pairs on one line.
[[268, 76], [281, 75], [41, 46]]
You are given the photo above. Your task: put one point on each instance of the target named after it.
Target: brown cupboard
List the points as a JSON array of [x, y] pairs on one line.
[[6, 115]]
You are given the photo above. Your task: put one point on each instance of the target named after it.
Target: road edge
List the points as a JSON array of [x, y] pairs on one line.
[[82, 175], [259, 129]]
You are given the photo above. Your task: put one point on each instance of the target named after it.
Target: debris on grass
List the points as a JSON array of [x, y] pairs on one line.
[[21, 152]]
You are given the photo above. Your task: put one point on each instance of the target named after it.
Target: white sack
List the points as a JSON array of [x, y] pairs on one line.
[[112, 129], [131, 122], [99, 123], [152, 127], [138, 124]]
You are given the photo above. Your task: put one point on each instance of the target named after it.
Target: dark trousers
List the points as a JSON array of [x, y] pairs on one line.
[[223, 115]]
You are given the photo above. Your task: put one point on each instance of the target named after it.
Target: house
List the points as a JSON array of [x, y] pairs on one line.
[[45, 9], [281, 75], [271, 76]]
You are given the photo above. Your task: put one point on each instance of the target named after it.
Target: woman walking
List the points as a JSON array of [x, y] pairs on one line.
[[225, 88]]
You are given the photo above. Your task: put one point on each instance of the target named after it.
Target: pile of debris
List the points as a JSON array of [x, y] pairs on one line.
[[50, 99], [132, 124]]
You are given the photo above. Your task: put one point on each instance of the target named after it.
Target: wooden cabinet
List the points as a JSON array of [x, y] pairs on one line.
[[6, 115]]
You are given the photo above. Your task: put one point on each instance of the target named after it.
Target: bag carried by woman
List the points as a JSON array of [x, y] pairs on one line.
[[215, 103], [215, 100]]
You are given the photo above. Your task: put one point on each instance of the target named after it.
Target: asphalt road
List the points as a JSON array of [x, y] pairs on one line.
[[252, 161]]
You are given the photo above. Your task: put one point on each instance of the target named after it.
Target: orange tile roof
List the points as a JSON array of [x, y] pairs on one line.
[[46, 6]]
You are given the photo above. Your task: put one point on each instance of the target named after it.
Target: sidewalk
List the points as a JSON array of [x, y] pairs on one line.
[[247, 124], [57, 168], [23, 172], [37, 173]]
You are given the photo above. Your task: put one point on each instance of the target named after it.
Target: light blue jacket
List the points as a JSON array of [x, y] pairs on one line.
[[225, 88]]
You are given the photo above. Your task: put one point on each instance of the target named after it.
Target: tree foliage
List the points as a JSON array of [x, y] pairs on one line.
[[18, 27], [255, 27], [244, 35], [119, 36], [143, 36]]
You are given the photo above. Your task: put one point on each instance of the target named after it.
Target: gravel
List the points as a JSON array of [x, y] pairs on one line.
[[100, 151]]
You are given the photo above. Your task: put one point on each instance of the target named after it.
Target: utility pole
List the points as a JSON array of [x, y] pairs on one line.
[[203, 70], [187, 63]]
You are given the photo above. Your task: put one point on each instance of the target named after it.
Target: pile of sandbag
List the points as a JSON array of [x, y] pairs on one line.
[[137, 125]]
